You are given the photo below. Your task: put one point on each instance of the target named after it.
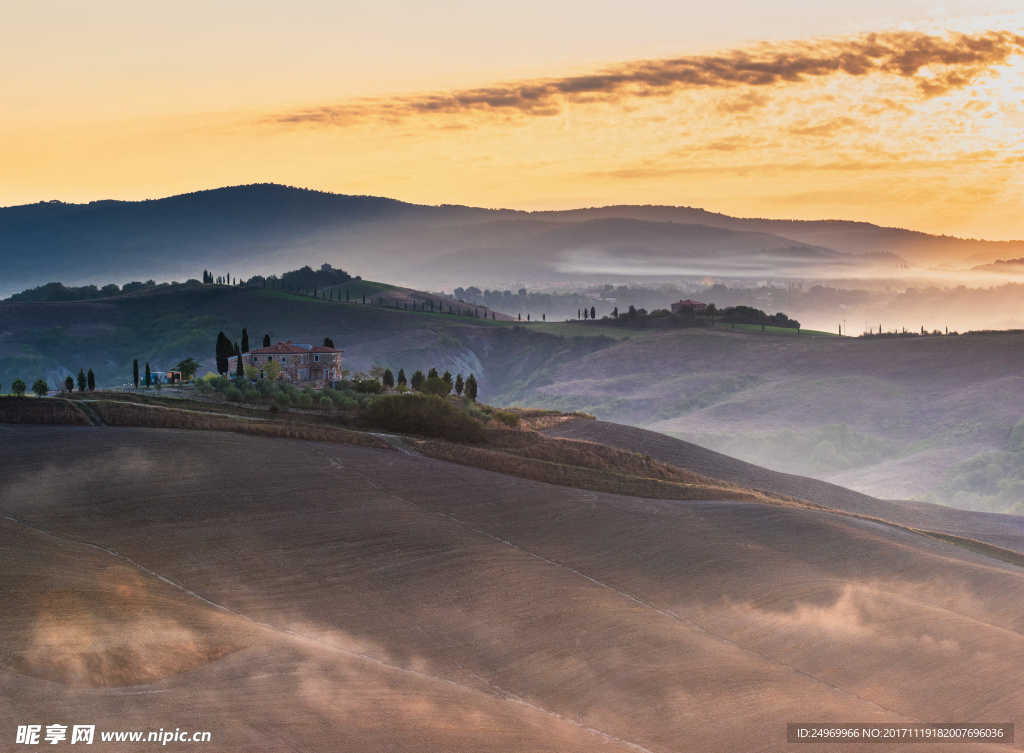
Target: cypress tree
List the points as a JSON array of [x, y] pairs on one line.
[[69, 384], [223, 350], [592, 313], [459, 384], [266, 341], [417, 380], [90, 380], [135, 372], [432, 374], [245, 341], [328, 342], [389, 378], [447, 379], [149, 376], [401, 378], [83, 380], [471, 387]]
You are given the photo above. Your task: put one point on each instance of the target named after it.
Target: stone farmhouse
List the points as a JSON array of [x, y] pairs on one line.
[[695, 307], [300, 362]]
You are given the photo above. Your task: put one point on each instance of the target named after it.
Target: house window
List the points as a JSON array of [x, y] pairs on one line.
[[284, 359], [316, 359], [255, 360]]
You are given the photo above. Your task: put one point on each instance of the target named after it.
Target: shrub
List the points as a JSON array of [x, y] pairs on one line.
[[281, 400], [507, 417], [233, 394], [326, 403], [428, 415], [369, 386], [220, 383], [436, 386], [305, 401]]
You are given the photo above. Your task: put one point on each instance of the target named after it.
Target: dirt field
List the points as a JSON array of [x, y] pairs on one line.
[[296, 596], [1002, 530]]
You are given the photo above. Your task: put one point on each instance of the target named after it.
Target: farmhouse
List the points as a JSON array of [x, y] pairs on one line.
[[300, 362], [694, 307]]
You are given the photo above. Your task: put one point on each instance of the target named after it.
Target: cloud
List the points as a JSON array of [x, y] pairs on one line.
[[828, 128], [935, 63]]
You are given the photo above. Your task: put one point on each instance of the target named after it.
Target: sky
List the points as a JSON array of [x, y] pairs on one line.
[[901, 113]]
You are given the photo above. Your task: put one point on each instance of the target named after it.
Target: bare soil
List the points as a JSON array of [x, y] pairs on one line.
[[332, 597]]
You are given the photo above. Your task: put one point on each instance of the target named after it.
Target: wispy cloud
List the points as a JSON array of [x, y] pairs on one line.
[[935, 63]]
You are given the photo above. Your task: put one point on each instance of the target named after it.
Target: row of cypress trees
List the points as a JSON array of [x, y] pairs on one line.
[[432, 382]]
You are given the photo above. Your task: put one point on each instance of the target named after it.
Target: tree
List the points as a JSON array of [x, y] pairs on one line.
[[615, 313], [223, 350], [417, 379], [471, 387], [240, 367], [328, 342], [18, 387], [83, 380], [266, 341], [135, 370], [252, 373], [272, 370], [90, 380], [188, 369], [592, 314], [432, 374], [69, 383], [401, 378], [543, 317], [388, 378], [447, 378], [40, 388], [459, 384], [245, 342], [149, 375]]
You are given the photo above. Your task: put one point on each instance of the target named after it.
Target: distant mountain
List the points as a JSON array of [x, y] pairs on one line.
[[840, 235], [257, 229]]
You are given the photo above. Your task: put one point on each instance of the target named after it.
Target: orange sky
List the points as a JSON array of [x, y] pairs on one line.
[[897, 113]]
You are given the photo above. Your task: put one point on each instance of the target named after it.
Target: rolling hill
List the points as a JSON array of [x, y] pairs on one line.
[[256, 229], [293, 595], [898, 418]]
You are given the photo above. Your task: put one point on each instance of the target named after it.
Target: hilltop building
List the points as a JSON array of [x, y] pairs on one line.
[[695, 307], [300, 362]]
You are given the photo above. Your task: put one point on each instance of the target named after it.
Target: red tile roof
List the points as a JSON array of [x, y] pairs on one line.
[[288, 349]]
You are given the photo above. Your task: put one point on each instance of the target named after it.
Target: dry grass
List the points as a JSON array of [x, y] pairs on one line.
[[48, 410], [127, 414], [583, 465]]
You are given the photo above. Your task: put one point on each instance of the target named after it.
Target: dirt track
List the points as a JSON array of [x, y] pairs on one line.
[[331, 597]]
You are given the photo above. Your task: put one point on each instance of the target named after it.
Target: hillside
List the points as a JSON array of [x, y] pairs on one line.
[[258, 228], [368, 599], [891, 417], [897, 418]]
